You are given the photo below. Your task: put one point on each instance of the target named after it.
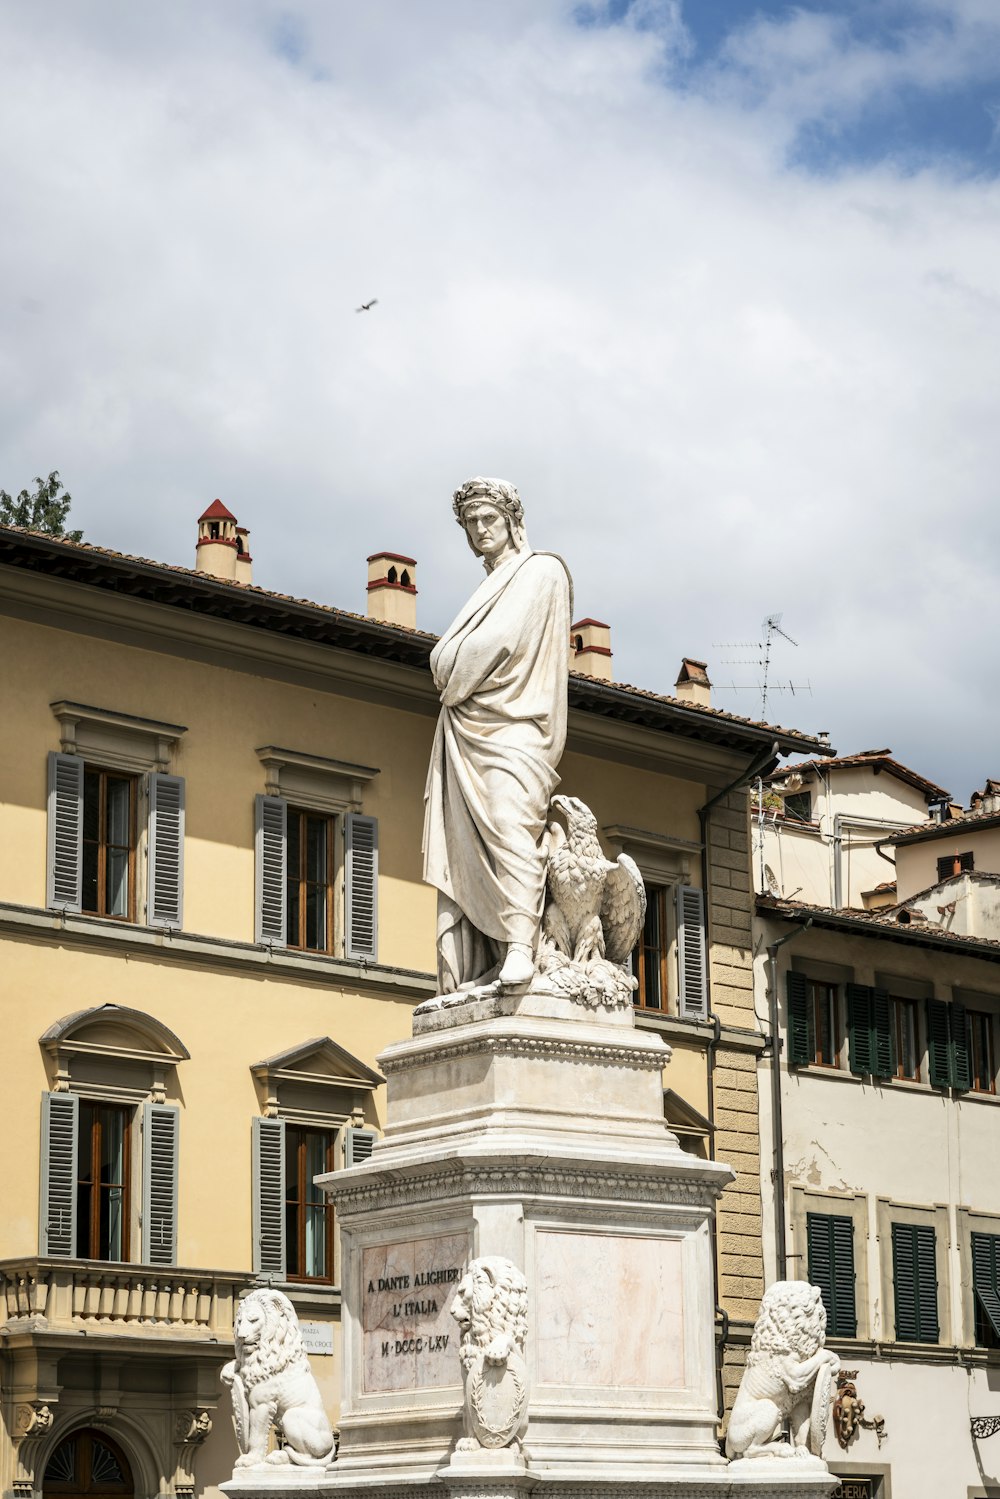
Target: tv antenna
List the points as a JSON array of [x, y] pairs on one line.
[[771, 629]]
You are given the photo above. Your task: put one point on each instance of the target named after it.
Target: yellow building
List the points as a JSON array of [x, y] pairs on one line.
[[212, 920]]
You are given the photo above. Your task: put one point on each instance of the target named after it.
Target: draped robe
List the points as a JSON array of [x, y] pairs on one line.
[[501, 669]]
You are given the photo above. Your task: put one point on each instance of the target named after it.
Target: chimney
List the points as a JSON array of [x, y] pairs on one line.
[[692, 685], [223, 548], [392, 589], [590, 649]]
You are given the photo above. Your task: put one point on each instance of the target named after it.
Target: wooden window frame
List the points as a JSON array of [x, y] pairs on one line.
[[641, 964], [296, 941], [295, 1139], [95, 1182], [901, 1005], [982, 1047], [103, 772], [841, 1301], [962, 863], [826, 993]]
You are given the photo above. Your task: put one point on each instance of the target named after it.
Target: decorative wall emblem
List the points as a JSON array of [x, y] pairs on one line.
[[849, 1411], [490, 1306], [32, 1420]]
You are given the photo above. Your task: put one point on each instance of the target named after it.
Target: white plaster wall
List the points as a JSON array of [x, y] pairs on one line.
[[916, 863]]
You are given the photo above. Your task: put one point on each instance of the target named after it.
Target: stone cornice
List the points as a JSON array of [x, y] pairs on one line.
[[551, 1048], [458, 1178], [101, 934]]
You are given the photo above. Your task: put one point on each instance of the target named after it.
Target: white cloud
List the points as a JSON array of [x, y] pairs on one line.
[[724, 387]]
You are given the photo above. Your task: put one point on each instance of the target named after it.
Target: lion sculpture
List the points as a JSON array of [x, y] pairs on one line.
[[272, 1384], [490, 1307], [787, 1377]]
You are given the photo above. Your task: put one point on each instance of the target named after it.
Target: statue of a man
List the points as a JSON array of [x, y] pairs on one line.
[[501, 669]]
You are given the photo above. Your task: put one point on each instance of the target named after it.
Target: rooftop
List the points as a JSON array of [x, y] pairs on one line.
[[891, 923], [244, 603], [969, 822], [217, 511], [877, 760]]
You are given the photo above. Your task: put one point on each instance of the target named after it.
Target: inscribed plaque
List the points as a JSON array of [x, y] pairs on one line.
[[410, 1340]]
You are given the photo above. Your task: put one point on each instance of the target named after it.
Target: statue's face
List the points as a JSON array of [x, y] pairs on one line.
[[486, 527]]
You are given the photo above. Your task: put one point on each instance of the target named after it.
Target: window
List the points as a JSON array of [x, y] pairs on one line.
[[649, 961], [914, 1280], [948, 1059], [96, 833], [102, 1189], [296, 880], [814, 1026], [870, 1032], [906, 1035], [108, 843], [982, 1068], [830, 1248], [308, 1212], [309, 856], [650, 956], [952, 864], [986, 1288], [798, 806]]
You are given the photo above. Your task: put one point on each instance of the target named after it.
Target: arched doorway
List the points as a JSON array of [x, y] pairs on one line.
[[88, 1465]]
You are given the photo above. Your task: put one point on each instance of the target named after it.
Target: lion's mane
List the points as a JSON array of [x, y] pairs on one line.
[[792, 1320], [497, 1297], [280, 1343]]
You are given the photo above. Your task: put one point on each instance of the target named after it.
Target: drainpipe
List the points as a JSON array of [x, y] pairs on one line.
[[764, 761], [777, 1123]]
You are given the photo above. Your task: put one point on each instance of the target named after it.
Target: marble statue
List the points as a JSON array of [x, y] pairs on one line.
[[501, 669], [272, 1384], [490, 1307], [788, 1376], [593, 914]]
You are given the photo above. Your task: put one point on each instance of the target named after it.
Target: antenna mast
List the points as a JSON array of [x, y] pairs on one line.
[[770, 628]]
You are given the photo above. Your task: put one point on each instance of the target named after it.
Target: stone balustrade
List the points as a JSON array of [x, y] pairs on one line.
[[114, 1298]]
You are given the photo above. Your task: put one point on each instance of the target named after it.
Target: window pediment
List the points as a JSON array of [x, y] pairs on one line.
[[316, 1081], [117, 739], [93, 1048], [661, 857], [313, 780]]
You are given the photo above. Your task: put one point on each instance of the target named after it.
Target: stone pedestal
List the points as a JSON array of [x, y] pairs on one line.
[[527, 1127]]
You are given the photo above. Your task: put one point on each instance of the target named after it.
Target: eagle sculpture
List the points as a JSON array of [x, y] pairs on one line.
[[594, 911]]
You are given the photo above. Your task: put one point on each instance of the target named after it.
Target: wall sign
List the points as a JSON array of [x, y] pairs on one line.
[[317, 1337], [858, 1488]]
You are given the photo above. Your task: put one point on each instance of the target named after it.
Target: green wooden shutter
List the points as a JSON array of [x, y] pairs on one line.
[[269, 1197], [691, 953], [914, 1283], [801, 1040], [160, 1130], [361, 886], [270, 902], [165, 895], [358, 1145], [985, 1281], [883, 1044], [830, 1246], [938, 1043], [961, 1062], [57, 1199], [859, 1029], [64, 864]]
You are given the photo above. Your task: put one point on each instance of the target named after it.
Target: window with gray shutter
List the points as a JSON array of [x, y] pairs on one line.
[[159, 1179], [986, 1288], [270, 839], [361, 882], [60, 1129], [64, 872], [692, 978], [166, 851], [358, 1145], [268, 1197]]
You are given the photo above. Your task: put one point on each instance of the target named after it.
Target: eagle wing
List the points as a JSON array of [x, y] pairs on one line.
[[623, 908]]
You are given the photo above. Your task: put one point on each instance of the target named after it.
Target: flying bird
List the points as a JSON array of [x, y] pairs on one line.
[[367, 306]]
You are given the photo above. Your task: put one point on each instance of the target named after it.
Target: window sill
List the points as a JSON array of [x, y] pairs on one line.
[[190, 947]]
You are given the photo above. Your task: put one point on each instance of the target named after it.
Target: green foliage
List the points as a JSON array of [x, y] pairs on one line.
[[44, 510]]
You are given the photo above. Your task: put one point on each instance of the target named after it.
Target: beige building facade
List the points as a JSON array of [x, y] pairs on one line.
[[212, 921]]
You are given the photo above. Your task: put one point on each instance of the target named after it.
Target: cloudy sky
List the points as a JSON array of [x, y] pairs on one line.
[[716, 284]]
